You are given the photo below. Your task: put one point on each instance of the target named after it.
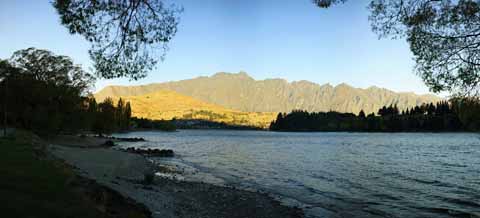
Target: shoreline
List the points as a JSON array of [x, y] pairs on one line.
[[165, 197], [289, 131]]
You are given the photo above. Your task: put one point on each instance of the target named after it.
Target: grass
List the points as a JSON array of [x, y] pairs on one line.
[[31, 186]]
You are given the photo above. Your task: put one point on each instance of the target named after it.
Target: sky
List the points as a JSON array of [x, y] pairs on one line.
[[289, 39]]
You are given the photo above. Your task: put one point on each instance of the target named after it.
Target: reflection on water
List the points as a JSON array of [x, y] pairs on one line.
[[338, 174]]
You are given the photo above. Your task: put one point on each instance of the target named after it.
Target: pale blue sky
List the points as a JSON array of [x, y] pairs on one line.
[[292, 39]]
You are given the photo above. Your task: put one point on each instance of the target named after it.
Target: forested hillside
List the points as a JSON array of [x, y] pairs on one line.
[[168, 105]]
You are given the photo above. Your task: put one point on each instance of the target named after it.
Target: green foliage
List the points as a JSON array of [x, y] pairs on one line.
[[105, 119], [468, 110], [122, 121], [327, 3], [127, 114], [43, 92], [108, 118], [443, 35], [163, 125], [125, 36], [54, 70], [458, 115]]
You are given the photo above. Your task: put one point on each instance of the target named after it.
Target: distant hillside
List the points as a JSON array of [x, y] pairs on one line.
[[167, 105], [243, 93]]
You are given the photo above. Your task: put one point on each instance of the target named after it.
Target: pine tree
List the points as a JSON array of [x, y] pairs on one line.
[[127, 115], [119, 115], [361, 114]]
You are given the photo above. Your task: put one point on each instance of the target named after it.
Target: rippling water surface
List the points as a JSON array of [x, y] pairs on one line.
[[338, 174]]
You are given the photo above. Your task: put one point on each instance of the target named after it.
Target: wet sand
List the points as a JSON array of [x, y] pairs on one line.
[[125, 172]]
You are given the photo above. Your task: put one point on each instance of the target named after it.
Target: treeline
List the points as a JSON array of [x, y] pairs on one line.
[[142, 123], [208, 124], [48, 94], [105, 117], [460, 114]]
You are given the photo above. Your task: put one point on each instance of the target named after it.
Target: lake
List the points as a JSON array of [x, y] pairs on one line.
[[336, 174]]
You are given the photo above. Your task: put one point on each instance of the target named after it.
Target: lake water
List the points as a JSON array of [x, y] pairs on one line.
[[337, 174]]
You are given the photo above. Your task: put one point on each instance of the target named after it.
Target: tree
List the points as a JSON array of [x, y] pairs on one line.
[[327, 3], [443, 35], [6, 70], [361, 114], [125, 35], [394, 110], [468, 110], [105, 119], [128, 115], [383, 111], [52, 69], [45, 91], [431, 109], [460, 115], [120, 114], [91, 113], [123, 114]]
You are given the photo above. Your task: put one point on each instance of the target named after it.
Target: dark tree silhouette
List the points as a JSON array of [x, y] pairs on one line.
[[327, 3], [468, 110], [361, 114], [125, 35], [45, 91], [58, 70], [49, 94], [127, 116], [105, 120], [461, 114], [6, 70], [443, 35]]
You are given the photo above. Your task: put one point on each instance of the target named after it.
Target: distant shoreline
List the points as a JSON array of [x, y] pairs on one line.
[[291, 131]]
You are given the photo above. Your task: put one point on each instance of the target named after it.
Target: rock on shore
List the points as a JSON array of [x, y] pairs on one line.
[[150, 152]]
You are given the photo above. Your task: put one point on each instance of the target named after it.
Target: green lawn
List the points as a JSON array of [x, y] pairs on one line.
[[31, 187]]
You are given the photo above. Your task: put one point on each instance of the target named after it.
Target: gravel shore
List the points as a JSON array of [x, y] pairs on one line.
[[166, 198]]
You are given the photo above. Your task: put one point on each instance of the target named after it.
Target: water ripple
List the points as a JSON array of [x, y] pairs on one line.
[[341, 174]]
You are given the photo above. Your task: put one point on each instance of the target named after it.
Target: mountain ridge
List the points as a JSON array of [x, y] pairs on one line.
[[239, 91]]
